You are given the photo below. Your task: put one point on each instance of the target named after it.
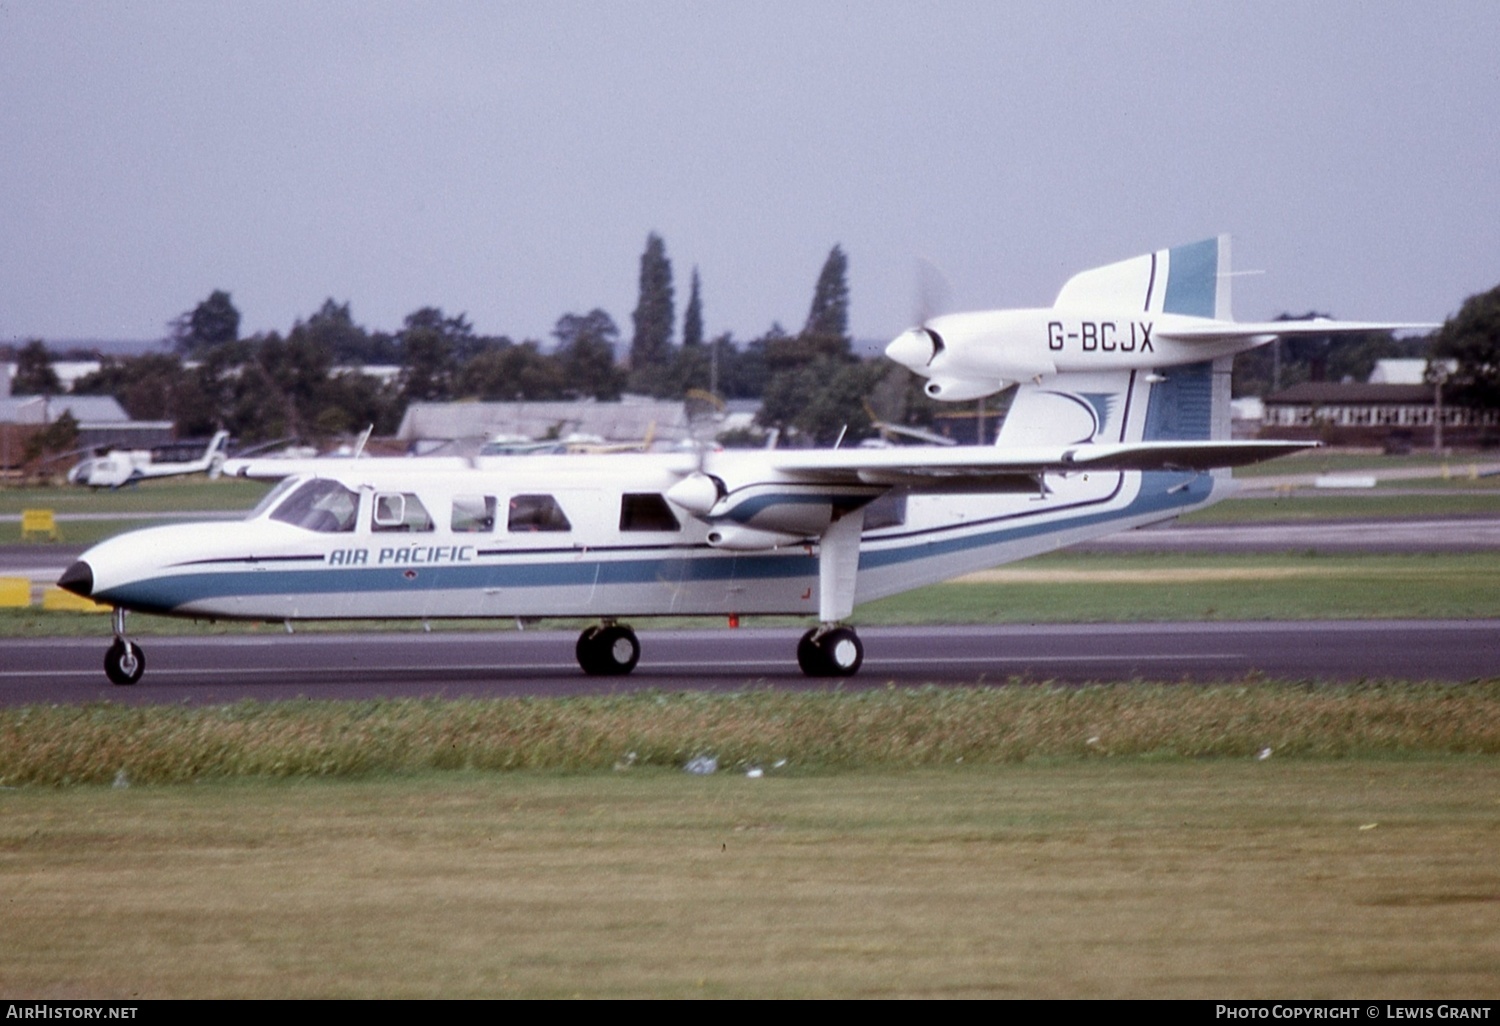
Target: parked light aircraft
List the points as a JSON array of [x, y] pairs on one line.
[[1098, 439], [121, 467]]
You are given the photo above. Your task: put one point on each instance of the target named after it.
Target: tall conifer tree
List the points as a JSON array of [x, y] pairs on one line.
[[692, 318], [651, 349], [829, 315]]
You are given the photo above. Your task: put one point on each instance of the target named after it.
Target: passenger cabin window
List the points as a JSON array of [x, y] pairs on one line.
[[646, 511], [473, 514], [536, 513], [324, 506], [400, 511]]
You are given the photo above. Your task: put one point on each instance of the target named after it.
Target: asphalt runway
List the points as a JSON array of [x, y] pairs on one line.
[[277, 666], [272, 665]]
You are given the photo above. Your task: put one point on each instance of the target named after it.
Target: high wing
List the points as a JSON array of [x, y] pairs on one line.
[[275, 468], [985, 468]]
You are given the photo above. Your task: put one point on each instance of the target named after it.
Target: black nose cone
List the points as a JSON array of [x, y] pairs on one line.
[[79, 579]]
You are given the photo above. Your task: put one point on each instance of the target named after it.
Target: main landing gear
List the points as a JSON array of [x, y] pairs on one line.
[[830, 651], [608, 649], [611, 649], [124, 662]]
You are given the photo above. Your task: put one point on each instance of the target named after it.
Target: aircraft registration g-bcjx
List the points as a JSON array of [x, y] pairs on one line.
[[1121, 419]]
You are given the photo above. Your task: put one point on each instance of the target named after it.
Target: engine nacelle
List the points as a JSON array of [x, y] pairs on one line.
[[961, 390], [697, 493], [739, 538]]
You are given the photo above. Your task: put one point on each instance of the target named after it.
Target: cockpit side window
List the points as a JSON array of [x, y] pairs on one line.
[[319, 505], [400, 511]]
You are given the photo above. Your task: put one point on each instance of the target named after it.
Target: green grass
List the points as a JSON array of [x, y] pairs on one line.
[[1341, 461], [1265, 840], [166, 496], [83, 533], [1085, 588], [884, 728], [1080, 878], [143, 505], [1374, 504]]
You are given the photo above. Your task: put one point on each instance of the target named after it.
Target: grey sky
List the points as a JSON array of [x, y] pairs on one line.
[[508, 160]]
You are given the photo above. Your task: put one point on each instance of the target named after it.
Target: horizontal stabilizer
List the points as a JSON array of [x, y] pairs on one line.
[[1228, 331]]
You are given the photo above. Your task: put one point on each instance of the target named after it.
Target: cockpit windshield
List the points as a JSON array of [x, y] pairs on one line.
[[320, 505], [272, 497]]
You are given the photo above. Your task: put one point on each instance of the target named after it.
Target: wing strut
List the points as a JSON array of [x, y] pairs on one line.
[[838, 566]]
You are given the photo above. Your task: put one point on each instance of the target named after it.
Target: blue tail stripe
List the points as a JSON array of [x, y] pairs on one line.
[[1181, 407], [1192, 279]]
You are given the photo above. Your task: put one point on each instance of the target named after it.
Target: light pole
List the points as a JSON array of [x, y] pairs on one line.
[[1439, 377]]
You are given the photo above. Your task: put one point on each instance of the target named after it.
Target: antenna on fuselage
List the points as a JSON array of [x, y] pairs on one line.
[[359, 445]]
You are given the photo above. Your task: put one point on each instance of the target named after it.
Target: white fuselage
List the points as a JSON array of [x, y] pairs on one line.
[[589, 536]]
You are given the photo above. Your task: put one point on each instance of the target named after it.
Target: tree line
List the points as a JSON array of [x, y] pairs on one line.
[[812, 387], [309, 383]]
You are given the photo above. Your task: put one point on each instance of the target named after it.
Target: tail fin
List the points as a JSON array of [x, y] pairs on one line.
[[1182, 403], [1193, 279]]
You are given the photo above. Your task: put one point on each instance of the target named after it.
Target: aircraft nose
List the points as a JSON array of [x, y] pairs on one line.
[[79, 579], [915, 349]]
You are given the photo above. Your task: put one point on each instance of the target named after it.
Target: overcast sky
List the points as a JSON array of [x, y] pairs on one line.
[[507, 160]]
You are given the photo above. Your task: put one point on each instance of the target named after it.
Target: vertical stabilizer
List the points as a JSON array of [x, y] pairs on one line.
[[1182, 403], [1223, 307], [1198, 279], [1192, 279]]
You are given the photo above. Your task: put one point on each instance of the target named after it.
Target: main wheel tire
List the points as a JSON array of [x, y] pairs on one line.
[[810, 656], [834, 653], [843, 652], [585, 650], [610, 651], [124, 662]]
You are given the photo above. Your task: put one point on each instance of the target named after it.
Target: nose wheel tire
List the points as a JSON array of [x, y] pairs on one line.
[[608, 651], [124, 662], [831, 653]]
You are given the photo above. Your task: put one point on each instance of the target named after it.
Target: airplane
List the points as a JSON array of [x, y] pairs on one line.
[[573, 444], [1100, 444], [120, 467]]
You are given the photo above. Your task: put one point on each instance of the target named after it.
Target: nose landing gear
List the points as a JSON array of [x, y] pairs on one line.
[[124, 662]]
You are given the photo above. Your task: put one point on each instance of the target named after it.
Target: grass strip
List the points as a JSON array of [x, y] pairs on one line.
[[1270, 879], [1374, 504], [882, 727], [167, 496]]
